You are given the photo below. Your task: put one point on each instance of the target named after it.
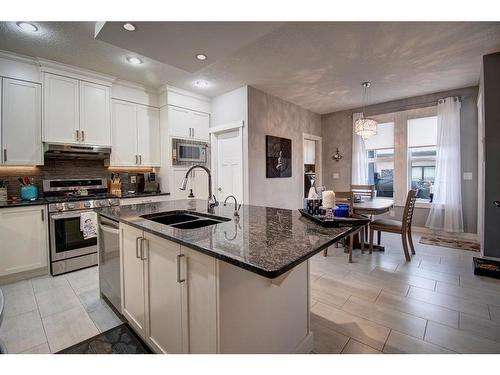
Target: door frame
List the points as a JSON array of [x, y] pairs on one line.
[[214, 133], [319, 156]]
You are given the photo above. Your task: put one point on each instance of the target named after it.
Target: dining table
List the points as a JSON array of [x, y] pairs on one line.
[[371, 207]]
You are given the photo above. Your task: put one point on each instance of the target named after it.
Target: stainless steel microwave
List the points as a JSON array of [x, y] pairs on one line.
[[189, 151]]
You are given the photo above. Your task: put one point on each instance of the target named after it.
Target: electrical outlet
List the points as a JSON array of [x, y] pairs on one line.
[[133, 179], [336, 176]]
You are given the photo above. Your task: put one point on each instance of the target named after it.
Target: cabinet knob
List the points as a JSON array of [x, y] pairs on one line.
[[220, 189]]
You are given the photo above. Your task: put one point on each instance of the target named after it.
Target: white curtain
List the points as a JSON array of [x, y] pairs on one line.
[[446, 210], [359, 158]]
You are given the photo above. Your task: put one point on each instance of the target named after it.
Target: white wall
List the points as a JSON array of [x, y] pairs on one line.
[[229, 108]]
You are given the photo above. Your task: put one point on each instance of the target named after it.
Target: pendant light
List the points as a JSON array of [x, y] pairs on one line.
[[364, 126]]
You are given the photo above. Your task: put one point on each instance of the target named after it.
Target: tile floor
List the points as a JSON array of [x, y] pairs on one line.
[[382, 304], [47, 314], [377, 304]]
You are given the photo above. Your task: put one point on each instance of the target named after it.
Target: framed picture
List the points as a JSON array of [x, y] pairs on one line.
[[278, 157]]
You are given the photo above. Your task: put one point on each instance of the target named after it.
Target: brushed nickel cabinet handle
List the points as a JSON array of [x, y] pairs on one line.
[[140, 159], [137, 255], [136, 162], [43, 214], [83, 136], [179, 280], [4, 155], [78, 135], [143, 240]]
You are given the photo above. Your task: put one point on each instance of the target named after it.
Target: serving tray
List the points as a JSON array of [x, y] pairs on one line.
[[335, 222]]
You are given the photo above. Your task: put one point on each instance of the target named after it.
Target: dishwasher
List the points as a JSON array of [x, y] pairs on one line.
[[109, 261]]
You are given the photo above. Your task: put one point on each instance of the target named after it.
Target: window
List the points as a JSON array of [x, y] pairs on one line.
[[380, 155], [422, 139]]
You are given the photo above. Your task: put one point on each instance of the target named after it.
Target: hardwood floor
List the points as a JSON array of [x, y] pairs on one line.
[[382, 304]]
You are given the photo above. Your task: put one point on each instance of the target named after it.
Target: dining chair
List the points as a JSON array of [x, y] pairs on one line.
[[394, 226], [348, 197], [367, 191]]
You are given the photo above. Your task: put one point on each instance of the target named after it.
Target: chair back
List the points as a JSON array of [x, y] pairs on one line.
[[345, 197], [367, 191], [409, 208]]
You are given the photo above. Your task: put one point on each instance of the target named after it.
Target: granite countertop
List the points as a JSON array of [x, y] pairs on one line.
[[141, 195], [266, 241], [20, 203]]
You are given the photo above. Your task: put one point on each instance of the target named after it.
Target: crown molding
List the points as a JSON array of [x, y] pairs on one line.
[[54, 67], [169, 88], [136, 86], [17, 57]]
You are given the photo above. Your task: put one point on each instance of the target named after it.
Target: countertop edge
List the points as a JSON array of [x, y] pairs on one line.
[[268, 274]]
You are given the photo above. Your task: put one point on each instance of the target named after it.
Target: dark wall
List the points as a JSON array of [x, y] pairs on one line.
[[491, 86]]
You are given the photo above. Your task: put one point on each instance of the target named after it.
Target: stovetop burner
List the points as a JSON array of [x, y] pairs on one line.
[[76, 198]]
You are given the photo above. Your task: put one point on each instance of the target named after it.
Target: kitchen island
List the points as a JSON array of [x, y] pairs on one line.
[[239, 286]]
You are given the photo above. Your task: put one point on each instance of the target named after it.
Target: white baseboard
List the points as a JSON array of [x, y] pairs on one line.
[[306, 345], [463, 236]]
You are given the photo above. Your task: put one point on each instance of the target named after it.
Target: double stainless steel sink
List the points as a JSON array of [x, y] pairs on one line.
[[183, 219]]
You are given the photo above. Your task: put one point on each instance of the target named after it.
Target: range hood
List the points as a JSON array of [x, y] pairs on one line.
[[67, 151]]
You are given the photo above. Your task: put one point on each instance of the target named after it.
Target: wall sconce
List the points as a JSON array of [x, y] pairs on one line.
[[337, 155]]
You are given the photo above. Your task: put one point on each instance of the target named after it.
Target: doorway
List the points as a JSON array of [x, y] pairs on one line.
[[227, 163]]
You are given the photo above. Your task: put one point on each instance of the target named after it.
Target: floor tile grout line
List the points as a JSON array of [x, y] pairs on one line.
[[387, 339], [40, 316], [425, 330]]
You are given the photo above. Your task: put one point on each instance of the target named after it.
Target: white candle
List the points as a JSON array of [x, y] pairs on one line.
[[328, 199]]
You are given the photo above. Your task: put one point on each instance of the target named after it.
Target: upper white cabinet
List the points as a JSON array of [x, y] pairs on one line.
[[135, 135], [21, 123], [75, 111], [60, 105], [124, 134], [309, 151], [95, 115], [25, 231], [148, 135], [184, 123]]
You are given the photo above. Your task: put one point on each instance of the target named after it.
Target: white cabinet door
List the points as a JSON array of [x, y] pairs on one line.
[[23, 231], [133, 298], [200, 122], [200, 301], [179, 122], [148, 136], [21, 124], [60, 109], [95, 114], [163, 291], [124, 134]]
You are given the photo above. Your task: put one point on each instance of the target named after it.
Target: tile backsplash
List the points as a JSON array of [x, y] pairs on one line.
[[63, 168]]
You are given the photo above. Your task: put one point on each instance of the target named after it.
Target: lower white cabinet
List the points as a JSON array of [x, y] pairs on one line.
[[172, 301], [132, 286], [23, 233]]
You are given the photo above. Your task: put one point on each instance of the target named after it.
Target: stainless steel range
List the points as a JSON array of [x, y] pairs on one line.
[[68, 198]]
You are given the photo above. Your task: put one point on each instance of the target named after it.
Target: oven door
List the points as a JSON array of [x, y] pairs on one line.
[[66, 239], [191, 152]]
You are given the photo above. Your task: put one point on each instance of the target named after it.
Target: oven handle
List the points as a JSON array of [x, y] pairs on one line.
[[67, 215]]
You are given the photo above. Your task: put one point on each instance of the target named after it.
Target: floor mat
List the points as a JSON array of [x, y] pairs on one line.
[[118, 340], [451, 243]]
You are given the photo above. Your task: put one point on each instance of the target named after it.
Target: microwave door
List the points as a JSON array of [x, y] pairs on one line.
[[187, 152]]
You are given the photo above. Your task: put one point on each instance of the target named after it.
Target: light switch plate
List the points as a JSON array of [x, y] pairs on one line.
[[336, 176], [467, 175], [133, 179]]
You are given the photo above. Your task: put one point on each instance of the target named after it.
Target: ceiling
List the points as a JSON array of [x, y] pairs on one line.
[[317, 65]]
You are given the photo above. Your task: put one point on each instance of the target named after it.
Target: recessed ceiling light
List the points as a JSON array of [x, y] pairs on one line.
[[201, 56], [201, 83], [134, 60], [129, 26], [26, 26]]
